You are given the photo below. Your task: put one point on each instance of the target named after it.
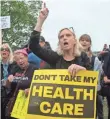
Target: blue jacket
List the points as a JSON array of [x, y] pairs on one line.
[[32, 58]]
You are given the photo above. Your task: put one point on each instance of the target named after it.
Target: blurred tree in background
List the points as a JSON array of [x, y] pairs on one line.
[[23, 17]]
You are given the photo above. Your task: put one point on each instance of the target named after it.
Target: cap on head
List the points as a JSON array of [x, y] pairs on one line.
[[23, 51], [42, 39]]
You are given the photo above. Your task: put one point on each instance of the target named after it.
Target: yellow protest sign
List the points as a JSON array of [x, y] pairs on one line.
[[20, 106], [55, 94]]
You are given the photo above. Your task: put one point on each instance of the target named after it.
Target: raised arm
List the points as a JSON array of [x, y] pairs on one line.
[[41, 18], [47, 55]]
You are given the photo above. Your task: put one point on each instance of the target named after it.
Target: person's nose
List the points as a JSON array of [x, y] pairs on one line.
[[20, 60], [65, 38], [84, 41]]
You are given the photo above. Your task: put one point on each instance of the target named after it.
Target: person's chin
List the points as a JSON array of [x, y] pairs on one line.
[[66, 48], [22, 67], [4, 56], [84, 48]]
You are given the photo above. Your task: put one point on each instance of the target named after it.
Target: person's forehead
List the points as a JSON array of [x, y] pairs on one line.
[[4, 46], [65, 31], [19, 55], [85, 38]]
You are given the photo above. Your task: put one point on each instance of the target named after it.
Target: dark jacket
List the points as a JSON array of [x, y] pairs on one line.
[[56, 61], [24, 80], [106, 66], [101, 57], [10, 69]]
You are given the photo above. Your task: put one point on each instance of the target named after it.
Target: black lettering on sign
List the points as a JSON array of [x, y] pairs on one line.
[[89, 79], [45, 77], [70, 78]]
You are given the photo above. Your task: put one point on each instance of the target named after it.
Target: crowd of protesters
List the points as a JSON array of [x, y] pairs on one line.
[[71, 54]]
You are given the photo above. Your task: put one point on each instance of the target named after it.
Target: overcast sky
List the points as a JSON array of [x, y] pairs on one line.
[[85, 16]]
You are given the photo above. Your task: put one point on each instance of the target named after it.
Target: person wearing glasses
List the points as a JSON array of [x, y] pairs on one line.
[[6, 60], [68, 55], [6, 67]]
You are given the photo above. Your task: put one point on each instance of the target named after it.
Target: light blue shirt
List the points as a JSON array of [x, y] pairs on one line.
[[98, 67], [5, 70]]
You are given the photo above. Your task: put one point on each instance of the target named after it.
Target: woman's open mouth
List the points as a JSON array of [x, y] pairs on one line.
[[65, 43]]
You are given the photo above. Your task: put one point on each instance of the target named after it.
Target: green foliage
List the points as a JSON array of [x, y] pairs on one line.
[[23, 15]]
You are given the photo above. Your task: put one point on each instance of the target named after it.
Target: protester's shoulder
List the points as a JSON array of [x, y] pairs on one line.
[[97, 60], [32, 66], [54, 54], [108, 53], [97, 64], [85, 61], [107, 56], [13, 65], [84, 55], [33, 56], [107, 49]]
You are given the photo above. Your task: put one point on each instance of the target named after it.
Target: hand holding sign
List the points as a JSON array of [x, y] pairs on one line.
[[73, 69], [26, 91], [10, 78]]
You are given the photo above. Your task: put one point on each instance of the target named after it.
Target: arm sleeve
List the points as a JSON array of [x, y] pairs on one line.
[[45, 54]]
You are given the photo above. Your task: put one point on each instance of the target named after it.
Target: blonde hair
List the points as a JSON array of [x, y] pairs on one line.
[[10, 58], [77, 48]]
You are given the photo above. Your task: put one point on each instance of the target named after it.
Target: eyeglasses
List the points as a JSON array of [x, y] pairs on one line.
[[5, 49], [71, 29]]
